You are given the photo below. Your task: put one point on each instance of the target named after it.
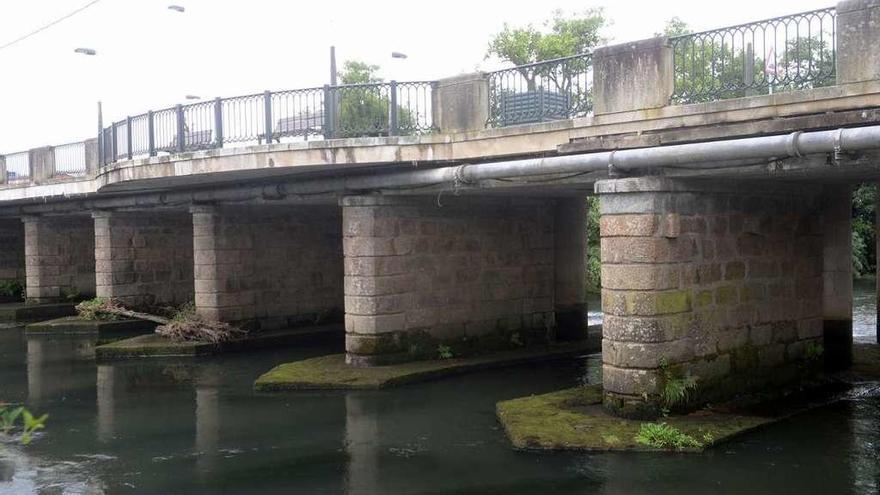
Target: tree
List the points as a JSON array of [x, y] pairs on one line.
[[560, 37], [363, 106]]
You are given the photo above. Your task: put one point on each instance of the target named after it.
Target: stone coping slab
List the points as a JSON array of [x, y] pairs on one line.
[[105, 330], [331, 372], [155, 346], [20, 311]]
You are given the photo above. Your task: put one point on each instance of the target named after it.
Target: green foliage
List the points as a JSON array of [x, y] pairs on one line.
[[714, 70], [70, 293], [561, 36], [364, 111], [864, 257], [11, 288], [91, 309], [664, 436], [515, 340], [185, 312], [19, 418], [445, 352], [676, 389], [594, 257], [813, 352]]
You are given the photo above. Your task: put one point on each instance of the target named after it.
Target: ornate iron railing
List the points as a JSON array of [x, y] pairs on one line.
[[551, 90], [784, 53], [357, 110]]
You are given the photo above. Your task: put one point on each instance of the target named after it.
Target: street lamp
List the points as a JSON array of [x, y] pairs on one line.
[[193, 97], [398, 55], [85, 51], [177, 8]]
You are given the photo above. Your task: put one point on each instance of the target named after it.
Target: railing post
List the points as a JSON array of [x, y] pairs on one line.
[[100, 135], [218, 121], [329, 112], [633, 76], [460, 103], [128, 137], [151, 134], [267, 102], [3, 170], [181, 129], [113, 141], [393, 125]]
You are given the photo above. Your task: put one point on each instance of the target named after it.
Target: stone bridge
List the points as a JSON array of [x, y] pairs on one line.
[[726, 236]]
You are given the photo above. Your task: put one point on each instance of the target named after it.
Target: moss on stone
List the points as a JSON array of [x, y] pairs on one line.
[[331, 372], [23, 312], [156, 346], [574, 419]]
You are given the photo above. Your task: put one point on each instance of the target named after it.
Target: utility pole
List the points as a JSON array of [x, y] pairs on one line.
[[332, 66]]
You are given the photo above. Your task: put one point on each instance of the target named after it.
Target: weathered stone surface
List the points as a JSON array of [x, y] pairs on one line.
[[276, 266], [700, 276], [475, 268], [59, 257]]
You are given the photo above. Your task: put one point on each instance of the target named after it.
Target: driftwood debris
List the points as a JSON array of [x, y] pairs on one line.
[[186, 326]]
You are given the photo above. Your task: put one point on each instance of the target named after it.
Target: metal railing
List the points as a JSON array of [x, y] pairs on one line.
[[18, 167], [551, 90], [785, 53], [357, 110], [70, 160]]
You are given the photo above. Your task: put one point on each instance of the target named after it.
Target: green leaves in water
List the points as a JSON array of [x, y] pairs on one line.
[[13, 419]]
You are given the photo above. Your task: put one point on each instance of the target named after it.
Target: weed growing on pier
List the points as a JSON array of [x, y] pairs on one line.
[[813, 352], [663, 436], [19, 418], [445, 352], [11, 288], [676, 389], [97, 309]]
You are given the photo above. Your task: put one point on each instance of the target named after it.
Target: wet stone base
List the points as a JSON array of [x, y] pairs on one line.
[[105, 330], [20, 311], [155, 346], [575, 419], [331, 372]]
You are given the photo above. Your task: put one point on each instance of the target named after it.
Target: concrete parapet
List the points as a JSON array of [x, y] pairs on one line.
[[91, 149], [461, 103], [719, 281], [858, 41], [632, 76], [42, 162]]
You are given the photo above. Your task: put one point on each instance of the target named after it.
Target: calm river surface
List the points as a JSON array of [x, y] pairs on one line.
[[182, 427]]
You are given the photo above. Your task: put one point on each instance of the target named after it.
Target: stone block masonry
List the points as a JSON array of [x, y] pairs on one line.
[[59, 257], [473, 274], [144, 258], [12, 260], [723, 282], [268, 267]]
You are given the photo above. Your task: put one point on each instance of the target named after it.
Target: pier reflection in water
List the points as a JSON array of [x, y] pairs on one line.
[[183, 426]]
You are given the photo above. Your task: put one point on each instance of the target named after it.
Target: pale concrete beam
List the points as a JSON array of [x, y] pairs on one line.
[[461, 103], [91, 146], [858, 41], [42, 162], [632, 76]]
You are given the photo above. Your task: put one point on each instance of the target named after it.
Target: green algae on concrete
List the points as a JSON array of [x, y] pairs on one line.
[[20, 311], [156, 346], [331, 372], [105, 330], [574, 419]]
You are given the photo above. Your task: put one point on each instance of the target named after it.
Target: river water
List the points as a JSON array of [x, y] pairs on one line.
[[187, 427]]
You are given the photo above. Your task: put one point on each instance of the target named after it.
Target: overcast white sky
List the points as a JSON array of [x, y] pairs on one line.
[[151, 57]]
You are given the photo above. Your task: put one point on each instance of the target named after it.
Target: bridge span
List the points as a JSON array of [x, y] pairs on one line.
[[460, 216]]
